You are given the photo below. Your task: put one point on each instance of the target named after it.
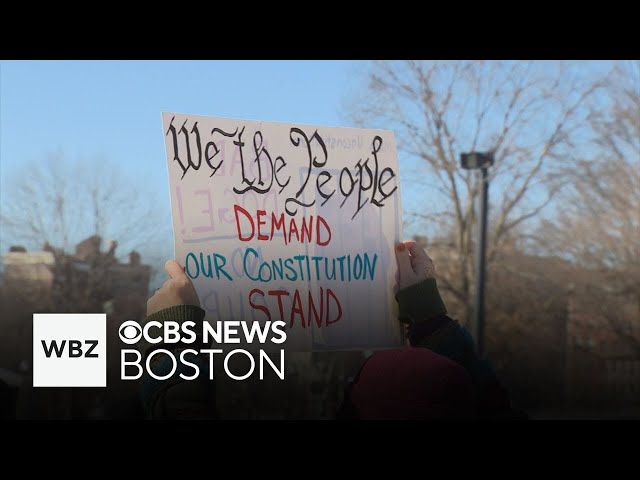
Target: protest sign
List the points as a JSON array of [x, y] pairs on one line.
[[276, 221]]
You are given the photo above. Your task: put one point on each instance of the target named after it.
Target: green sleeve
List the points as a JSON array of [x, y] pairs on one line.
[[176, 398], [420, 302], [422, 307]]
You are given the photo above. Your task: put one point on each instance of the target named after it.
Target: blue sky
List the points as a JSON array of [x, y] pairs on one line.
[[112, 109]]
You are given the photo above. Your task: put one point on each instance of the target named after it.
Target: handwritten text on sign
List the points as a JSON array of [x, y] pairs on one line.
[[288, 222]]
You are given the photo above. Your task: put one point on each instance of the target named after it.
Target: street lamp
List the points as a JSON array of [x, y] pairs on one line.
[[482, 161]]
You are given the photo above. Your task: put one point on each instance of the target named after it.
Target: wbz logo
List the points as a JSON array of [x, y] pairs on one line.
[[69, 350], [75, 348]]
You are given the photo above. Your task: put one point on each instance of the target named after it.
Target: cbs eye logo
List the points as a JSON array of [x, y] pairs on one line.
[[130, 332]]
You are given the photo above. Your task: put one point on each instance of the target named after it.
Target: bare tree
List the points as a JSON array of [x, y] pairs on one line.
[[597, 224], [56, 203], [527, 113], [59, 202]]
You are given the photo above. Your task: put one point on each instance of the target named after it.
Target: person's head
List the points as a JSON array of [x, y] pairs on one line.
[[409, 384]]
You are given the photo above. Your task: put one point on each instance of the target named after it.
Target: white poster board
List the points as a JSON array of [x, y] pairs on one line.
[[289, 222]]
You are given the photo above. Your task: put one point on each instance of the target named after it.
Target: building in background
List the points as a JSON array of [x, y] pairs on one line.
[[88, 281]]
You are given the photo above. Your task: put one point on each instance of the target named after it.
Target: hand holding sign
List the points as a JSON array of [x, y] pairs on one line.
[[414, 265], [177, 290], [297, 223]]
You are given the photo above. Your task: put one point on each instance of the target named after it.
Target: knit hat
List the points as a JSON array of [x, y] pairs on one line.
[[410, 383]]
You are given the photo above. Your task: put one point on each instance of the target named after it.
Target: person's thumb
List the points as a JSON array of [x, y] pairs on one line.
[[421, 262], [404, 260], [174, 269]]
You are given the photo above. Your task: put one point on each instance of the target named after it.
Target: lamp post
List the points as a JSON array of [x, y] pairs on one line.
[[481, 161]]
